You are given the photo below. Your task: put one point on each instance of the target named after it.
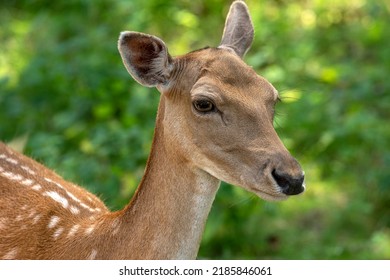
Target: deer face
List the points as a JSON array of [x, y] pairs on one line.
[[222, 121], [218, 113]]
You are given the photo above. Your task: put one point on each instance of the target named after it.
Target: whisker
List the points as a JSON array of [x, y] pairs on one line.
[[242, 201]]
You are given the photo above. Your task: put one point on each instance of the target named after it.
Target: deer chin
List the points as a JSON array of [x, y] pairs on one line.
[[264, 189], [260, 192], [268, 191]]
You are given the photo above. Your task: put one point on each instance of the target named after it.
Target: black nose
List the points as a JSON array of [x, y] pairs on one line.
[[290, 185]]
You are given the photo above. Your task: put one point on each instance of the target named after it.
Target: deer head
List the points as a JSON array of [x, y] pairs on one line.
[[217, 113]]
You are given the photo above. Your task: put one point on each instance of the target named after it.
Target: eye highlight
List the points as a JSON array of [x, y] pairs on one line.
[[203, 105]]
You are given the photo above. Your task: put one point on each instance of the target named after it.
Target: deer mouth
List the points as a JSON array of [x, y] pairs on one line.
[[269, 196]]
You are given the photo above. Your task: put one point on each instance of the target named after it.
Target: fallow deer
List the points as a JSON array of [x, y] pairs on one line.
[[214, 122]]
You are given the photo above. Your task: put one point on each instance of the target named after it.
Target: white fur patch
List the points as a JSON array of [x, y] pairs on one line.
[[37, 187], [12, 161], [27, 169], [11, 254], [27, 182], [74, 210], [12, 176], [8, 159], [32, 213], [57, 197], [72, 196], [53, 221], [58, 232], [36, 219], [90, 229], [115, 226], [93, 254], [73, 230]]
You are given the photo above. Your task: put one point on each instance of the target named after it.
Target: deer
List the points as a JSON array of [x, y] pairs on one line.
[[214, 123]]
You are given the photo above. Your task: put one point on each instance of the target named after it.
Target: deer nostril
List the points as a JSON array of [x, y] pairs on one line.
[[289, 185]]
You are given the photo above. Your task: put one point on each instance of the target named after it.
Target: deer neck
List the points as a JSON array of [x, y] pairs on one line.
[[169, 210]]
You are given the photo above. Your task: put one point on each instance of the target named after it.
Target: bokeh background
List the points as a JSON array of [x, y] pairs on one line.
[[67, 101]]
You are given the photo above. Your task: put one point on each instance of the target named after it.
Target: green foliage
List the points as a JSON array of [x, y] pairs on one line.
[[64, 90]]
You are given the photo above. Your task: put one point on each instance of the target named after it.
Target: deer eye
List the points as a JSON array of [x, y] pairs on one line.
[[203, 105]]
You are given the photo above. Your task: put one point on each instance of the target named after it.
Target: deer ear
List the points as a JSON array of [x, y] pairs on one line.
[[146, 58], [238, 32]]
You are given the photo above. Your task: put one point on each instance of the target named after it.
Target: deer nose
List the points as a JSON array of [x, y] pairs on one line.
[[290, 185]]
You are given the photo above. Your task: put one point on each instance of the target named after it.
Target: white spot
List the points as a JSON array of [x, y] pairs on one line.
[[1, 169], [90, 229], [93, 199], [27, 182], [57, 197], [11, 254], [24, 207], [11, 160], [73, 230], [19, 218], [28, 170], [36, 218], [37, 187], [58, 232], [86, 207], [115, 226], [55, 183], [93, 254], [32, 213], [73, 197], [53, 221], [51, 181], [74, 210], [12, 176]]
